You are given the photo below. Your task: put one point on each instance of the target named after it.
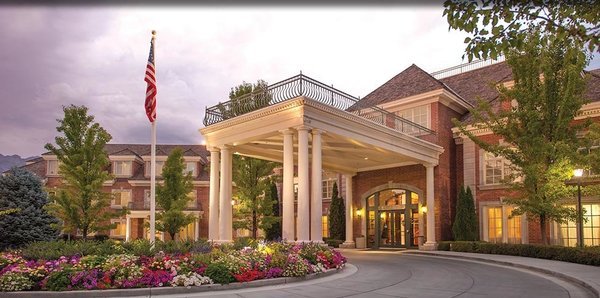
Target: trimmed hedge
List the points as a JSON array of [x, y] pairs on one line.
[[586, 256]]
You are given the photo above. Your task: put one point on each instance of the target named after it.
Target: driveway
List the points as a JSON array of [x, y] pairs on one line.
[[392, 274]]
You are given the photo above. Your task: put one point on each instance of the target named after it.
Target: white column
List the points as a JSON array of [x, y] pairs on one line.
[[431, 242], [421, 221], [197, 229], [225, 209], [316, 206], [349, 206], [213, 203], [288, 186], [128, 229], [303, 186]]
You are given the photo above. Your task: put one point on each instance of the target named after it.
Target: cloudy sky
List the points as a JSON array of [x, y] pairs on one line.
[[96, 56]]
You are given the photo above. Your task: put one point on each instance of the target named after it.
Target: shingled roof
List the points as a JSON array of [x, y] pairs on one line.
[[161, 150]]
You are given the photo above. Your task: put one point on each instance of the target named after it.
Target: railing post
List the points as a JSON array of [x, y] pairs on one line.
[[332, 95], [301, 91]]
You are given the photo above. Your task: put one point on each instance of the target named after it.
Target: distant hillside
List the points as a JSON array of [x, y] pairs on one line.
[[9, 161]]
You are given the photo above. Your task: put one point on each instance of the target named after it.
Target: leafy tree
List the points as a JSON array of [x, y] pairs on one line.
[[500, 26], [337, 216], [253, 178], [22, 192], [246, 98], [539, 139], [465, 223], [274, 232], [81, 204], [172, 196]]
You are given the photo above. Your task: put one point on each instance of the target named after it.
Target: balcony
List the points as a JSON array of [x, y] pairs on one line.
[[301, 85], [145, 205]]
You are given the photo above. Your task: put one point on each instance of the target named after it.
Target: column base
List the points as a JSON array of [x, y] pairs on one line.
[[348, 244], [222, 241], [429, 246], [302, 241]]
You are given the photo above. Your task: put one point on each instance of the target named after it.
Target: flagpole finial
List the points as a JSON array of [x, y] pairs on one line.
[[153, 32]]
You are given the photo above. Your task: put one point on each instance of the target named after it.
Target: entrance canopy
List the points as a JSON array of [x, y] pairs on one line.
[[354, 138]]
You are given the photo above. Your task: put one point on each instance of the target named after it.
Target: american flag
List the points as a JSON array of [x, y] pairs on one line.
[[151, 88]]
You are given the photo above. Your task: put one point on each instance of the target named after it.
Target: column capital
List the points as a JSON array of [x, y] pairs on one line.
[[316, 131], [430, 165], [303, 127], [213, 149], [225, 147], [287, 131]]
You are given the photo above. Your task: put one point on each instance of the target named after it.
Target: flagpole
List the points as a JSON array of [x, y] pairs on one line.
[[153, 175]]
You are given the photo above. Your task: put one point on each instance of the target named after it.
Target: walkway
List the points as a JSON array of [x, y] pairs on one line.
[[397, 274]]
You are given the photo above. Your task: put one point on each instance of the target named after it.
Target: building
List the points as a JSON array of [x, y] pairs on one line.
[[400, 156], [130, 166], [395, 154]]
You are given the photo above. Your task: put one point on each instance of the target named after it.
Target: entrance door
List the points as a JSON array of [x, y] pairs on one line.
[[395, 230], [392, 219]]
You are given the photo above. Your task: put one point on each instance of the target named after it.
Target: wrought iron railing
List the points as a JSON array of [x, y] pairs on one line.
[[301, 85], [444, 73], [145, 205]]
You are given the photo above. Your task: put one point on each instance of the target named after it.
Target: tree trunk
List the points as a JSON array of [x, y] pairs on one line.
[[254, 224], [84, 231], [543, 229], [172, 235]]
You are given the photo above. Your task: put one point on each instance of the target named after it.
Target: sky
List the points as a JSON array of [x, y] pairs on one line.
[[96, 56]]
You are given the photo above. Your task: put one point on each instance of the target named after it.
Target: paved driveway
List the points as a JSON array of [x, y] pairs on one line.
[[391, 274]]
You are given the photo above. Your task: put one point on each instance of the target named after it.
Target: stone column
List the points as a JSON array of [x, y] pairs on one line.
[[303, 187], [288, 186], [431, 243], [197, 229], [225, 209], [128, 228], [349, 206], [316, 206], [213, 205]]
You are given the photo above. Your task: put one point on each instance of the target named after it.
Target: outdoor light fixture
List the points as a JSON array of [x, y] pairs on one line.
[[423, 209], [579, 173], [232, 202], [358, 212]]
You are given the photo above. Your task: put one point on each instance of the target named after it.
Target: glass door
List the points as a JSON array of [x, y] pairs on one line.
[[392, 228]]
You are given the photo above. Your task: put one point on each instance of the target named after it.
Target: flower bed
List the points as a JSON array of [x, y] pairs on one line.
[[220, 264]]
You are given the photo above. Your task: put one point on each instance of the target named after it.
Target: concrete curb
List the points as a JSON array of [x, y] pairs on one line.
[[595, 290], [170, 290]]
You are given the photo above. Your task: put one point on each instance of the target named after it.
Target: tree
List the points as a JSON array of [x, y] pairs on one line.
[[499, 26], [22, 192], [274, 232], [253, 178], [337, 216], [81, 204], [465, 223], [540, 140], [245, 98], [172, 196]]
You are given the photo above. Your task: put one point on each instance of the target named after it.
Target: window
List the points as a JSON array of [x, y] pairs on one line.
[[495, 169], [500, 227], [159, 167], [418, 115], [122, 168], [52, 169], [188, 232], [121, 197], [325, 226], [190, 167], [120, 229], [567, 233], [327, 188], [146, 198], [193, 201]]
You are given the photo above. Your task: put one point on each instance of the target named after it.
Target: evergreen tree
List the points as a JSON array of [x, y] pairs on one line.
[[172, 196], [253, 179], [337, 216], [465, 223], [274, 232], [81, 204], [22, 192]]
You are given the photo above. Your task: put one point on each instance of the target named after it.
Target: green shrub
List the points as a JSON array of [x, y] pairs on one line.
[[139, 247], [463, 246], [444, 245], [59, 280], [334, 242], [49, 250], [242, 242], [219, 273]]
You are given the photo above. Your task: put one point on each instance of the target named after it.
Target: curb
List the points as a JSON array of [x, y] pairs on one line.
[[595, 290], [170, 290]]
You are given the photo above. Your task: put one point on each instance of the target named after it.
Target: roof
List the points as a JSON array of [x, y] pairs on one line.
[[409, 82], [161, 150]]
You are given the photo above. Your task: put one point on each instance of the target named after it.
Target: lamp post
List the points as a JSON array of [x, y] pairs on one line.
[[579, 173]]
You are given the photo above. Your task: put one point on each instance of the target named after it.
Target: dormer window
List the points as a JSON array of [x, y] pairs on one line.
[[122, 168], [190, 167], [159, 167], [418, 115], [52, 168]]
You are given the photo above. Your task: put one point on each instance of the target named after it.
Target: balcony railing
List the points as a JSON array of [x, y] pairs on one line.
[[301, 85], [145, 205], [448, 72]]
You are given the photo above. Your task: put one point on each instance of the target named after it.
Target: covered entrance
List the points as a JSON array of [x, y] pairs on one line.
[[392, 218]]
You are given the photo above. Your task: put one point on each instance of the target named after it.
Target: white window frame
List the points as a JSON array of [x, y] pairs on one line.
[[121, 221], [327, 188], [56, 168], [159, 167], [484, 232], [410, 115], [120, 190], [505, 169], [189, 204], [118, 165], [194, 171]]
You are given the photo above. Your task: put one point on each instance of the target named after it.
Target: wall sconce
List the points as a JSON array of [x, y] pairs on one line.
[[358, 213], [423, 209], [232, 202]]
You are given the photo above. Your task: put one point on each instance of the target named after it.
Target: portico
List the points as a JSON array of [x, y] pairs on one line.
[[309, 127]]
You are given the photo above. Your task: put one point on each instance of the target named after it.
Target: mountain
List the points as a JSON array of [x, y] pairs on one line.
[[9, 161]]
